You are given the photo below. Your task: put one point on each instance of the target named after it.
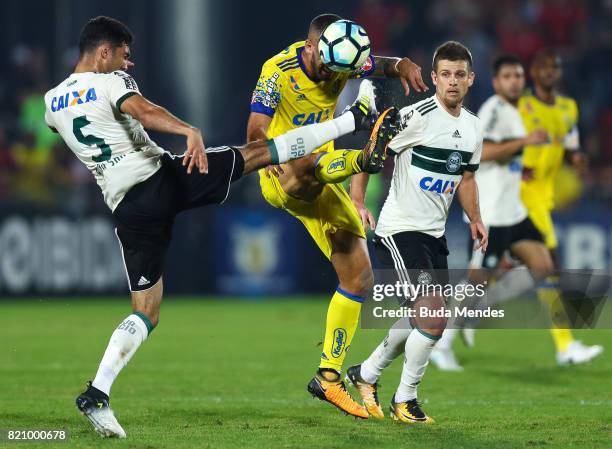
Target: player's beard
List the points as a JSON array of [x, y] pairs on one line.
[[453, 102]]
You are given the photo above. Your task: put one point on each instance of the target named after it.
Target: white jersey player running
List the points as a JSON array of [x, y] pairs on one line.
[[101, 115], [511, 232], [437, 153]]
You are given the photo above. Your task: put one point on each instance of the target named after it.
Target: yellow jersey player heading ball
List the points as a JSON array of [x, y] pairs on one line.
[[295, 88]]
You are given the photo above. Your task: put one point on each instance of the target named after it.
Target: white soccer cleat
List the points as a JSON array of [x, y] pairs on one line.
[[468, 335], [94, 405], [366, 89], [445, 360], [577, 353], [105, 423]]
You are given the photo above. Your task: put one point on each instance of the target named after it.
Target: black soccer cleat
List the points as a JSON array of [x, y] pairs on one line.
[[95, 405], [385, 128]]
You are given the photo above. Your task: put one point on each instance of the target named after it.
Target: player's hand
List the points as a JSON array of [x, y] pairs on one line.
[[527, 174], [367, 219], [410, 75], [537, 137], [579, 162], [275, 170], [195, 154], [479, 232]]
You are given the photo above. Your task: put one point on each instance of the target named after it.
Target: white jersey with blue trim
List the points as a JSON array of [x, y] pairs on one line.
[[85, 110], [499, 182], [433, 149]]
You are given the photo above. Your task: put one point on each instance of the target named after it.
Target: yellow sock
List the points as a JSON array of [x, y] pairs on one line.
[[337, 165], [551, 296], [342, 319]]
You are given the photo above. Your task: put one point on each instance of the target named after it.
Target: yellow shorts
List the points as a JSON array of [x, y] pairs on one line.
[[330, 211], [540, 214]]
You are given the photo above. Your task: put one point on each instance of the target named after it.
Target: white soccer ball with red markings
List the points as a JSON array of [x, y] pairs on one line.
[[344, 46]]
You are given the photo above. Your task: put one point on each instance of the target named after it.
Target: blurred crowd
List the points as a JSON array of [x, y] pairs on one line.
[[36, 167]]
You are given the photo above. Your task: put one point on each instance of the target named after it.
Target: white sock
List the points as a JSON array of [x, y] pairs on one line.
[[446, 342], [418, 350], [511, 285], [302, 141], [124, 342], [386, 352]]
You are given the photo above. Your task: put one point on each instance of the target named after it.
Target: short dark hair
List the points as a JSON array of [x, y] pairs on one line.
[[322, 21], [503, 60], [452, 51], [545, 53], [104, 29]]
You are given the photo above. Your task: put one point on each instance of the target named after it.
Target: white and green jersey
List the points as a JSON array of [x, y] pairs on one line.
[[84, 110], [500, 181], [433, 149]]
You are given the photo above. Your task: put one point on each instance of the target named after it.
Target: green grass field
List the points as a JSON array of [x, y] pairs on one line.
[[228, 374]]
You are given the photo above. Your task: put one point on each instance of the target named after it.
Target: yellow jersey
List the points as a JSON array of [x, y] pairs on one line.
[[560, 122], [286, 92]]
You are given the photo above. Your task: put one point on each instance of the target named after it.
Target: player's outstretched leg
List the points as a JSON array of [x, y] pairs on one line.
[[94, 402], [302, 141]]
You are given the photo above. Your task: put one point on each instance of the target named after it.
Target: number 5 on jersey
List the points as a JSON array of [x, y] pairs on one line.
[[80, 122]]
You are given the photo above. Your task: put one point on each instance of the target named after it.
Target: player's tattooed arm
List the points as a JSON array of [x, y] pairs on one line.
[[407, 71], [468, 197], [160, 119]]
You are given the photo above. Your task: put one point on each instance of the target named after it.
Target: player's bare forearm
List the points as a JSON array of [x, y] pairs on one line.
[[385, 67], [407, 71], [359, 185], [159, 119], [156, 117], [257, 126], [499, 151], [468, 196]]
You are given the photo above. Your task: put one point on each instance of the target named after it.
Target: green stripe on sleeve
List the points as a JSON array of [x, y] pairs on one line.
[[472, 167], [123, 98]]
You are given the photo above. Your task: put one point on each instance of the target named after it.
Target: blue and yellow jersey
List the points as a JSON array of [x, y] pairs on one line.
[[286, 93], [560, 122]]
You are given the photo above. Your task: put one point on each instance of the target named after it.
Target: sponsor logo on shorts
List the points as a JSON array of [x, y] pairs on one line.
[[424, 278], [339, 342]]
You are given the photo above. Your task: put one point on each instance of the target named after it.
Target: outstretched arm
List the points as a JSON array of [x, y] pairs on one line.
[[492, 151], [468, 197], [407, 71], [159, 119]]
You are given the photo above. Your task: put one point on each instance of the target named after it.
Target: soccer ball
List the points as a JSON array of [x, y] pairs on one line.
[[344, 46]]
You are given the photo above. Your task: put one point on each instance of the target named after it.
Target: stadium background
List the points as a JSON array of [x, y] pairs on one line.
[[201, 60]]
